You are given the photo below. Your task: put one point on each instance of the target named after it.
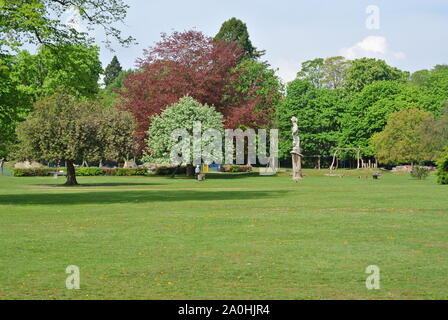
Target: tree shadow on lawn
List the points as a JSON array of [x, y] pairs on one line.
[[234, 175], [100, 184], [106, 197]]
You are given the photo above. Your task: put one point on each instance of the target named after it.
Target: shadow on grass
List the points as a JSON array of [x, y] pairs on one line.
[[233, 175], [101, 184], [106, 197]]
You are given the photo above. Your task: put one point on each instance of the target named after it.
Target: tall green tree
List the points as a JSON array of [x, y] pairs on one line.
[[368, 70], [259, 82], [62, 127], [73, 67], [317, 111], [366, 112], [401, 140], [325, 73], [112, 71], [38, 22], [236, 30]]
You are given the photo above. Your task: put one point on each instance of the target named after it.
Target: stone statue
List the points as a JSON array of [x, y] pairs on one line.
[[295, 136], [296, 155]]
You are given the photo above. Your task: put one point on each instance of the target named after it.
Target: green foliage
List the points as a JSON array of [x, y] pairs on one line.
[[34, 172], [82, 172], [325, 73], [317, 110], [366, 112], [112, 71], [237, 168], [401, 141], [166, 171], [73, 67], [419, 172], [38, 22], [442, 168], [258, 81], [367, 70], [63, 127], [180, 115], [236, 30], [89, 171]]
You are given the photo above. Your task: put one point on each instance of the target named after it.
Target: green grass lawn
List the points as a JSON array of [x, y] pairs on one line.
[[229, 237]]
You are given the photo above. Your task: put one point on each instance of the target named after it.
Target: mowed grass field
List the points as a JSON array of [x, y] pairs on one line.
[[229, 237]]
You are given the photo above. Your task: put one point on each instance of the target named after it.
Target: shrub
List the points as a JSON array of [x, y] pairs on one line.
[[442, 168], [419, 172], [166, 171], [237, 168], [87, 171], [33, 172]]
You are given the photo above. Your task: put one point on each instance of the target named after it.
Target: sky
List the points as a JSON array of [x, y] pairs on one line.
[[408, 34]]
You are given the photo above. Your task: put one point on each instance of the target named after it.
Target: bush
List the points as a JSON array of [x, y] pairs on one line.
[[237, 168], [419, 172], [166, 171], [87, 171], [33, 172], [442, 169]]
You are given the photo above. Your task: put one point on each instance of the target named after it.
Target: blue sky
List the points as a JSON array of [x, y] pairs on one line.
[[412, 35]]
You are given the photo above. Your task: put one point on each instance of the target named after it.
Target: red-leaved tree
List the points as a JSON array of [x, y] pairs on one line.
[[189, 63]]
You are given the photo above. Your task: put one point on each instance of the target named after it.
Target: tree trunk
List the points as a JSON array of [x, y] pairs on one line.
[[71, 175], [190, 170]]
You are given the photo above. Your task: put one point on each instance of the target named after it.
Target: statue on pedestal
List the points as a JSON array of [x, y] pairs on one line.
[[296, 152]]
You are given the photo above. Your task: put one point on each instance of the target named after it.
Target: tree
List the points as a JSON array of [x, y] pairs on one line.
[[312, 71], [366, 112], [434, 133], [442, 168], [14, 105], [74, 67], [179, 115], [236, 30], [400, 141], [262, 87], [367, 70], [38, 22], [112, 71], [186, 63], [62, 127], [24, 78], [329, 73], [317, 110], [335, 70]]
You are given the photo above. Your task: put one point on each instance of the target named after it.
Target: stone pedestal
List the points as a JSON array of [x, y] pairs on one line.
[[296, 166]]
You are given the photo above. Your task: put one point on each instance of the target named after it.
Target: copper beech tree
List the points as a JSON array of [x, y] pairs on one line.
[[63, 128], [190, 63]]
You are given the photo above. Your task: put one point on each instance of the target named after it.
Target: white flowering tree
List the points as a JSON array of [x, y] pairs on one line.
[[181, 115]]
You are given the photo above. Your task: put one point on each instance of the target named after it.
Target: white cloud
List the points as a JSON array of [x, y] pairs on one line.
[[287, 69], [372, 47]]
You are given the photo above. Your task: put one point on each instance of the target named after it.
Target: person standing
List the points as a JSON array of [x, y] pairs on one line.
[[197, 172]]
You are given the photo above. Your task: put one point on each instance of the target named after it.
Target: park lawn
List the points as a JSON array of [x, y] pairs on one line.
[[229, 237]]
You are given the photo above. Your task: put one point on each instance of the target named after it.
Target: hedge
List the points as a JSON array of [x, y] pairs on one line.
[[237, 168], [81, 172], [166, 171], [34, 172]]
